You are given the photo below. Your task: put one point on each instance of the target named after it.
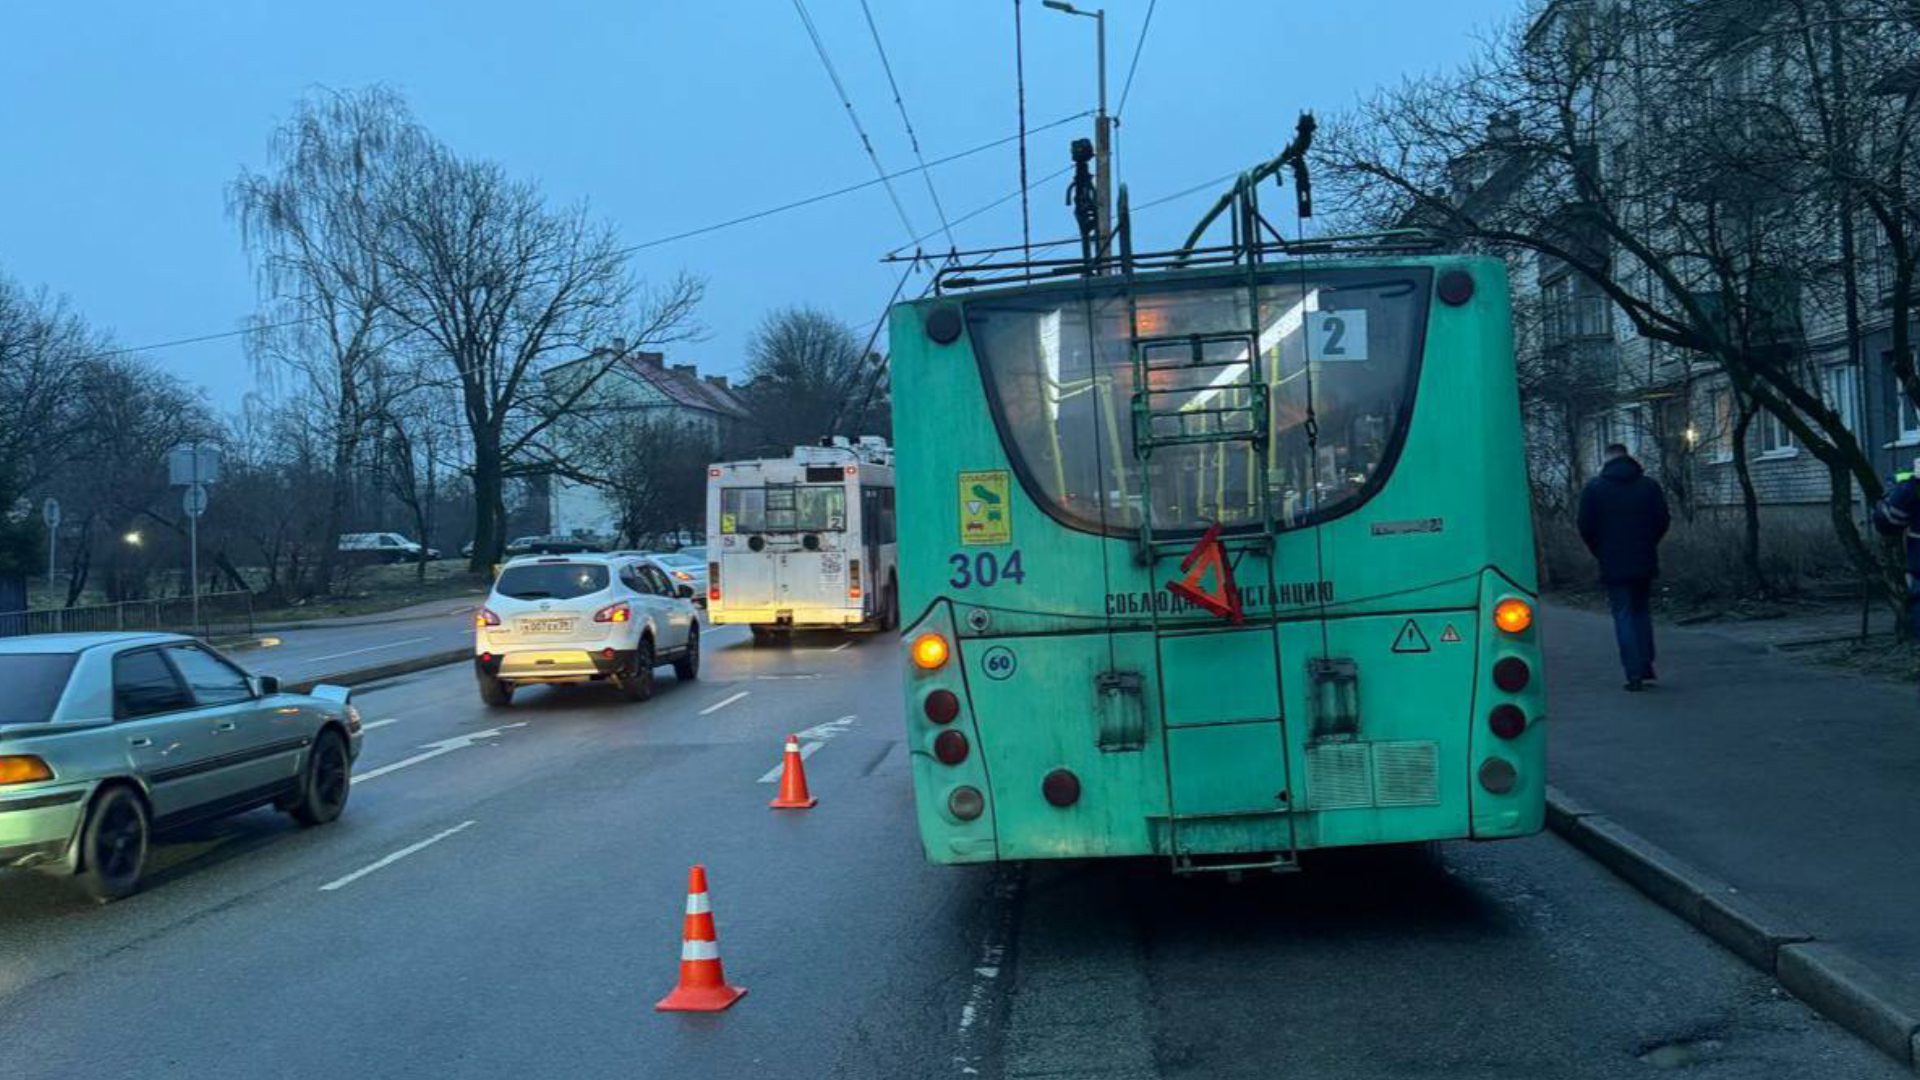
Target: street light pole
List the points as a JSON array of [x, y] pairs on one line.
[[1102, 127]]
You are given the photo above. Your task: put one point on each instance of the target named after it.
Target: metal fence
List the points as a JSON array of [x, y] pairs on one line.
[[221, 614]]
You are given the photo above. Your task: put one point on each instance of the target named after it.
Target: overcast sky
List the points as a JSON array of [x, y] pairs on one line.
[[122, 123]]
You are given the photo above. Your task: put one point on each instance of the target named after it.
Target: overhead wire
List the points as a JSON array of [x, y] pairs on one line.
[[912, 139], [632, 248], [1138, 46], [820, 48]]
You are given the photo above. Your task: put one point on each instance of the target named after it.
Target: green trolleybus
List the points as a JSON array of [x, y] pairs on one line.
[[1220, 556]]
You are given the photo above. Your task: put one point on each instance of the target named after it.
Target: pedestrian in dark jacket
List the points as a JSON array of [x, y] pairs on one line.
[[1623, 515], [1898, 513]]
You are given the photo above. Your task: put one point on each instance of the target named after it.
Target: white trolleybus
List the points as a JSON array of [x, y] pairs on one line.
[[805, 541]]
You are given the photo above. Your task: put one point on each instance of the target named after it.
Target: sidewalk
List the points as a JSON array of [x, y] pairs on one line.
[[425, 610], [1797, 786]]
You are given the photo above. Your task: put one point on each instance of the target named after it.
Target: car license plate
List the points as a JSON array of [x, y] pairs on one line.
[[546, 626]]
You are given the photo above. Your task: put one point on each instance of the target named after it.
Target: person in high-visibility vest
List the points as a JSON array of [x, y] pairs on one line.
[[1899, 513]]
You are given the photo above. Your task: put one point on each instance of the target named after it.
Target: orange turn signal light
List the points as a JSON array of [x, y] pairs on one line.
[[1513, 615], [23, 769], [929, 650]]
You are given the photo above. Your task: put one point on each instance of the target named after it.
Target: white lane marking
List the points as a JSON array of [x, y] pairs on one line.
[[829, 729], [840, 646], [391, 859], [434, 750], [356, 652], [806, 751], [724, 702], [369, 726]]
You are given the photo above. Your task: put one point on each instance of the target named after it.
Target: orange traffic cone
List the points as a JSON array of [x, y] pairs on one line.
[[793, 781], [703, 986]]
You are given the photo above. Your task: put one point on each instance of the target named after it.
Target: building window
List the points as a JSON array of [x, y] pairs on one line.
[[1771, 437], [1909, 419], [1719, 434], [1843, 395]]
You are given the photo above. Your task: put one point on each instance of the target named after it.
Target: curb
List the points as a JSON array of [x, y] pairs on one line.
[[362, 676], [1835, 985], [346, 622]]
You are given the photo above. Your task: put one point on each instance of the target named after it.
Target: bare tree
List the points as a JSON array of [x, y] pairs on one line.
[[416, 457], [314, 227], [43, 351], [808, 372], [497, 286], [1642, 152]]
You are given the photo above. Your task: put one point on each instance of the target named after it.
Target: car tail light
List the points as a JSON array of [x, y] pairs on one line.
[[853, 470], [950, 746], [1512, 674], [353, 720], [929, 651], [619, 612], [1513, 615], [713, 581], [1507, 721], [853, 579], [966, 803], [941, 706], [27, 769], [485, 619], [606, 654]]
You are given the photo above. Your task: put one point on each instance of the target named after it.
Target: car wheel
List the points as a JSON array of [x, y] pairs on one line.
[[327, 783], [495, 692], [891, 620], [637, 684], [687, 668], [113, 845]]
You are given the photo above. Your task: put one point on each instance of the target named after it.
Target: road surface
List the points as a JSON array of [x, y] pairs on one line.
[[503, 898]]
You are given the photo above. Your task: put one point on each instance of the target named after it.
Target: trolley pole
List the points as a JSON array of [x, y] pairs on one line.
[[1102, 128]]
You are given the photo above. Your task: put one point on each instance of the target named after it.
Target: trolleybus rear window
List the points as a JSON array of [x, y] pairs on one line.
[[1338, 353], [783, 508]]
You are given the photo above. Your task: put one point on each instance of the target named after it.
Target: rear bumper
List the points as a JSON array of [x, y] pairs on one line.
[[796, 617], [555, 665], [38, 827]]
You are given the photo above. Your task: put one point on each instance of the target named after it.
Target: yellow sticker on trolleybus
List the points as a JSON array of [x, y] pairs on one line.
[[985, 514]]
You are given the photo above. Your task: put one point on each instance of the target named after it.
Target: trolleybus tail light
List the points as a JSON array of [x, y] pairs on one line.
[[1507, 721], [942, 706], [1513, 615], [950, 747], [486, 618], [1498, 776], [27, 769], [853, 579], [1061, 788], [1512, 674], [713, 581], [966, 803], [929, 651], [619, 612]]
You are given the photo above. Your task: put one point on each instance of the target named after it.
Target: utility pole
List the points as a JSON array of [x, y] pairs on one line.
[[1102, 126]]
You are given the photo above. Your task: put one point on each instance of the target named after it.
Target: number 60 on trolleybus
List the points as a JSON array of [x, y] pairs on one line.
[[1218, 556]]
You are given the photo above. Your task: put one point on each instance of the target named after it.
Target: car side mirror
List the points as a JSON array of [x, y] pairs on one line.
[[686, 592], [267, 685]]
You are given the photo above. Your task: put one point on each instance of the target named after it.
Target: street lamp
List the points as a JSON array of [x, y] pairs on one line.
[[1102, 139], [132, 537]]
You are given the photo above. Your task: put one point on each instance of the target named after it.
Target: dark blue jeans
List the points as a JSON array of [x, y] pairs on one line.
[[1633, 625]]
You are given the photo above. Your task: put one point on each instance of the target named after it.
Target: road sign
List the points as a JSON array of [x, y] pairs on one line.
[[194, 500], [50, 512], [193, 464]]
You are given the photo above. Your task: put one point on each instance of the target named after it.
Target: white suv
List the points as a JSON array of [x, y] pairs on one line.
[[583, 618]]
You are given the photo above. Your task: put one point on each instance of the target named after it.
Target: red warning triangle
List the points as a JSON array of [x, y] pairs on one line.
[[1207, 555]]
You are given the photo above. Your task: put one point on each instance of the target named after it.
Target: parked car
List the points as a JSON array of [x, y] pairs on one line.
[[551, 545], [107, 740], [583, 618], [386, 547]]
